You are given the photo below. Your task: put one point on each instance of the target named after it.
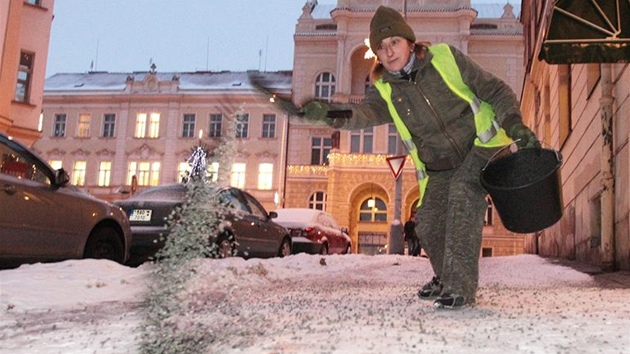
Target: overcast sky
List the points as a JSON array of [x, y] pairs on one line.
[[175, 35]]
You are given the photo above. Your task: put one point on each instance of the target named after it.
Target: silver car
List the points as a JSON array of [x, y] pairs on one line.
[[43, 218]]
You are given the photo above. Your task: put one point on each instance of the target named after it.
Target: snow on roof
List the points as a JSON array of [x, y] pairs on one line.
[[106, 81]]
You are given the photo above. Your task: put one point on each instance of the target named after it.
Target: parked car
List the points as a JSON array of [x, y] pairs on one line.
[[314, 231], [44, 218], [250, 230]]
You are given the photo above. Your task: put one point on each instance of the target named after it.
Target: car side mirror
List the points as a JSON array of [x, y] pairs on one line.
[[61, 177], [273, 215]]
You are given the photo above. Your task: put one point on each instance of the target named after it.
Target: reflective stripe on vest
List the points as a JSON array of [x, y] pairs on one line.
[[421, 174], [489, 133]]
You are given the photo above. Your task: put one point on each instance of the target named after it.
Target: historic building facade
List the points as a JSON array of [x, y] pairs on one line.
[[116, 133], [583, 110], [24, 38]]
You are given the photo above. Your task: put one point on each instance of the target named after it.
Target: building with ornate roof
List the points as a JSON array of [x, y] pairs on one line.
[[119, 132]]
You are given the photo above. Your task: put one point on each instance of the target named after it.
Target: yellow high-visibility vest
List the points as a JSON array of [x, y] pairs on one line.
[[489, 133]]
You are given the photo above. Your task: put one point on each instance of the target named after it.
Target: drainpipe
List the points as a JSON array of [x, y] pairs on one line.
[[607, 172]]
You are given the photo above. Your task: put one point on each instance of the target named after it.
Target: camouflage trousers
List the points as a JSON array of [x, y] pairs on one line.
[[450, 223]]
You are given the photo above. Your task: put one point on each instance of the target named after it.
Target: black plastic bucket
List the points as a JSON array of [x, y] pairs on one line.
[[525, 189]]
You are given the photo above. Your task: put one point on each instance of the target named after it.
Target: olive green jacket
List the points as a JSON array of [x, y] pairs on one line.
[[441, 123]]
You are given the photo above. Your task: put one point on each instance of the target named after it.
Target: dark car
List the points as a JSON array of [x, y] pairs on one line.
[[43, 218], [250, 230], [314, 231]]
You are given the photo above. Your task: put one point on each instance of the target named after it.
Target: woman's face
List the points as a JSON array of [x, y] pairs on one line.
[[394, 52]]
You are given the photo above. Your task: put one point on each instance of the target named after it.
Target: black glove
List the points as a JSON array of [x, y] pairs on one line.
[[523, 136]]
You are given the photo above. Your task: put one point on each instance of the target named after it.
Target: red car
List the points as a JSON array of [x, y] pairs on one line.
[[314, 231]]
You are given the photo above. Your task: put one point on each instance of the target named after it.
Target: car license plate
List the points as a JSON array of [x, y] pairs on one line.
[[140, 215]]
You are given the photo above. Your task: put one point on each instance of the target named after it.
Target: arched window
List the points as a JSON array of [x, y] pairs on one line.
[[317, 201], [373, 210], [325, 86]]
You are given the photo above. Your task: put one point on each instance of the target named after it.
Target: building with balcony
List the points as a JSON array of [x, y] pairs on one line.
[[119, 132], [24, 37]]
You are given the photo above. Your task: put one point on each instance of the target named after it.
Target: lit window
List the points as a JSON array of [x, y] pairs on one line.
[[269, 126], [237, 178], [214, 130], [109, 125], [60, 125], [83, 130], [78, 173], [24, 76], [154, 126], [147, 173], [55, 164], [317, 201], [373, 210], [104, 173], [141, 125], [188, 128], [212, 171], [182, 171], [265, 176], [325, 86]]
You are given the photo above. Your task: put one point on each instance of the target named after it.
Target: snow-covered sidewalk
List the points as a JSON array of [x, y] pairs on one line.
[[301, 304]]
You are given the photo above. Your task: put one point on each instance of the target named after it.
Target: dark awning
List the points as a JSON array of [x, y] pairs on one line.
[[588, 31]]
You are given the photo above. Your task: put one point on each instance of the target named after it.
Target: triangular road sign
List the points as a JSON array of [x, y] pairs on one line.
[[396, 164]]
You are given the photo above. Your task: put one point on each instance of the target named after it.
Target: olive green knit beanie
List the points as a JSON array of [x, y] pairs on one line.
[[388, 22]]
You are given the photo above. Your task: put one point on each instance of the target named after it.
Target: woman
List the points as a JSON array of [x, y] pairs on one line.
[[452, 115]]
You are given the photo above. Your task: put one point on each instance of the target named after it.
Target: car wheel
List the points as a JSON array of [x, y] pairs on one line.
[[225, 247], [105, 243], [348, 249], [285, 248], [324, 250]]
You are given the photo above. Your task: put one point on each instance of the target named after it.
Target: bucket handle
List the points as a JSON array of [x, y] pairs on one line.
[[558, 157]]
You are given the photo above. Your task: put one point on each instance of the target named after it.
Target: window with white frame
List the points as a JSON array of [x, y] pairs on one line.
[[104, 173], [269, 126], [214, 129], [317, 201], [188, 126], [146, 172], [59, 128], [265, 176], [325, 86], [242, 125], [83, 128], [320, 148], [24, 77], [237, 177], [109, 125], [78, 173], [362, 141]]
